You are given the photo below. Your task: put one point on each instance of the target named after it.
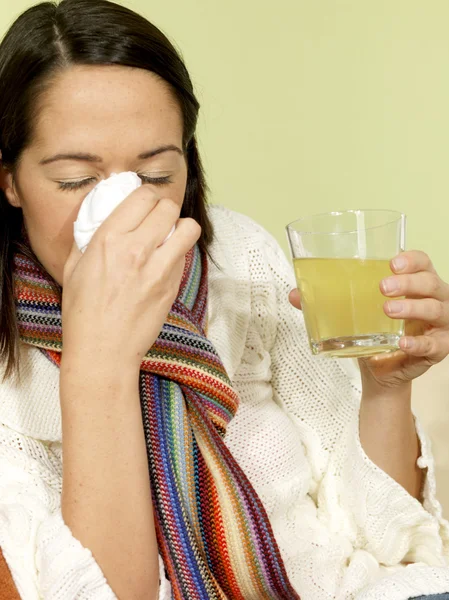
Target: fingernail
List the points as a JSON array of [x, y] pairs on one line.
[[395, 307], [390, 285], [399, 263]]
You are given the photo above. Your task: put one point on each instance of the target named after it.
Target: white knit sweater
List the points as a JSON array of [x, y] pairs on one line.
[[345, 528]]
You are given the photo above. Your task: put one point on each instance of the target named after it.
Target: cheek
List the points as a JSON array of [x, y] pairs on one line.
[[180, 188], [49, 218]]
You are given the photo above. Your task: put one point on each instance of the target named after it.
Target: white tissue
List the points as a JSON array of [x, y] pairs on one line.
[[101, 202]]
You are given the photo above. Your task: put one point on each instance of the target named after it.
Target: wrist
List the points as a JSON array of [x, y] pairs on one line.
[[97, 367], [373, 389]]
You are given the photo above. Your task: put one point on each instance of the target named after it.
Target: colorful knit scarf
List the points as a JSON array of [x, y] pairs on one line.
[[213, 533]]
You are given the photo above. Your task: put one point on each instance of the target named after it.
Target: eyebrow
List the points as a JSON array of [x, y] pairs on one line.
[[93, 158]]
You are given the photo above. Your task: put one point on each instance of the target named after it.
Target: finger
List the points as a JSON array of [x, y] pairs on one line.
[[295, 299], [427, 309], [412, 261], [187, 234], [131, 212], [424, 284], [157, 225], [431, 347]]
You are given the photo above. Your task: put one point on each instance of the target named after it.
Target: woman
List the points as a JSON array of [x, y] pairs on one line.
[[296, 499]]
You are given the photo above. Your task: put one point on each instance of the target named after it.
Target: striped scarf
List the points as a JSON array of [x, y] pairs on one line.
[[213, 532]]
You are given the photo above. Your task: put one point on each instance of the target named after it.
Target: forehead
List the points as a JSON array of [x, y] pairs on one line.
[[105, 106]]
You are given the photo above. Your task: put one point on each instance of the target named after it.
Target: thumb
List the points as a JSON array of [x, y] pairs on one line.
[[72, 260], [295, 299]]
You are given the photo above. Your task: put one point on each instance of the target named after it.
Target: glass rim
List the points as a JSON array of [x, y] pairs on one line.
[[400, 216]]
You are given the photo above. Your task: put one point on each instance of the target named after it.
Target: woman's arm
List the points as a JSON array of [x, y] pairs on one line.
[[106, 496], [388, 434], [324, 399], [386, 379], [108, 327]]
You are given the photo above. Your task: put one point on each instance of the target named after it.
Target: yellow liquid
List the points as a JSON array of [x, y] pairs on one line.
[[343, 306]]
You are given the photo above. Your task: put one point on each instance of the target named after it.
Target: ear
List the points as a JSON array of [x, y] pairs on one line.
[[7, 185]]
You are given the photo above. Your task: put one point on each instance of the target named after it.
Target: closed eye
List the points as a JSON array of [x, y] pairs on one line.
[[77, 185]]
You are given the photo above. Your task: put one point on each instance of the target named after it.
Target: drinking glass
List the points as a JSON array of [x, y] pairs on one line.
[[340, 259]]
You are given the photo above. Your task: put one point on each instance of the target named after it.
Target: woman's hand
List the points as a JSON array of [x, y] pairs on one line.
[[117, 295], [425, 308]]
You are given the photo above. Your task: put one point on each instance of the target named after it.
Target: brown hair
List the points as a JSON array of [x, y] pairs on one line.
[[45, 39]]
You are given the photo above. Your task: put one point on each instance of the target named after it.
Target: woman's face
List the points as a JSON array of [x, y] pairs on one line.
[[92, 122]]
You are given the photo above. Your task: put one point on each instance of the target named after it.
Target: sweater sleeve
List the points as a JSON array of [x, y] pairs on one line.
[[45, 559], [373, 528]]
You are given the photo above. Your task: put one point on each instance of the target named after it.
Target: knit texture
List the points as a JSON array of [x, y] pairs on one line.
[[345, 529], [213, 532]]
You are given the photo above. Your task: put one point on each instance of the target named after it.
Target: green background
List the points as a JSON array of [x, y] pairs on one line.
[[317, 105]]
